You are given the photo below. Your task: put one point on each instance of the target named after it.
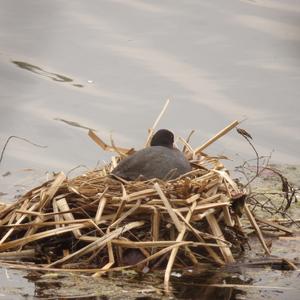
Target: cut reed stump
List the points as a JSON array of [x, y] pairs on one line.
[[97, 223]]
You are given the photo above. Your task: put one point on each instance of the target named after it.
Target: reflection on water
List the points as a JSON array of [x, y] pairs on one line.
[[40, 71], [128, 286], [222, 284], [206, 285]]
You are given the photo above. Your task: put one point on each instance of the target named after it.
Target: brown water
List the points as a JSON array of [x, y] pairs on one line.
[[110, 66]]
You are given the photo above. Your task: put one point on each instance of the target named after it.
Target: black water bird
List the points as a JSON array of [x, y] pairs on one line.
[[160, 160]]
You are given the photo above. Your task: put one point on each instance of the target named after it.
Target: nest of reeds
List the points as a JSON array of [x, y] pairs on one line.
[[97, 222]]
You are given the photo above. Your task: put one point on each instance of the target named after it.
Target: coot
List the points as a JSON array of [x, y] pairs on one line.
[[160, 160]]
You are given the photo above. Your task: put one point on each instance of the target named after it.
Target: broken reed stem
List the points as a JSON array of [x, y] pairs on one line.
[[62, 205], [100, 209], [98, 243], [126, 214], [207, 246], [105, 147], [110, 256], [18, 255], [4, 238], [168, 207], [216, 137], [256, 228], [187, 140], [155, 224], [151, 130], [37, 236], [48, 194], [274, 225], [158, 244], [215, 228], [55, 210], [175, 250]]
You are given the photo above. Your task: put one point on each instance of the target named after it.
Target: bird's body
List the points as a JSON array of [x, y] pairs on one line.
[[160, 160]]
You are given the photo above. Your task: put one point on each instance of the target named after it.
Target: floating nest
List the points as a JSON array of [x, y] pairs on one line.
[[97, 222]]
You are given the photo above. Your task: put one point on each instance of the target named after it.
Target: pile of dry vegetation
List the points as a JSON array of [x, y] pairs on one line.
[[97, 222]]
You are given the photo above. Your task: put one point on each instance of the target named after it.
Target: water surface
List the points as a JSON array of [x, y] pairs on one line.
[[110, 66]]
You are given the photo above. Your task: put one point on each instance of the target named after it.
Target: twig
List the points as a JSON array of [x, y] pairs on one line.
[[247, 137], [151, 130], [19, 138]]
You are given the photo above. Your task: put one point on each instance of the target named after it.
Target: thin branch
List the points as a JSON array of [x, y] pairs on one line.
[[19, 138]]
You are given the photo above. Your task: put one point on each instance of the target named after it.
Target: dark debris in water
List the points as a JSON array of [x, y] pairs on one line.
[[73, 123], [39, 71]]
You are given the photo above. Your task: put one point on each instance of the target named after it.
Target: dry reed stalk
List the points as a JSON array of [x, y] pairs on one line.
[[274, 225], [158, 244], [206, 206], [144, 261], [110, 256], [121, 207], [227, 217], [200, 217], [6, 219], [47, 195], [62, 206], [214, 198], [228, 179], [105, 147], [188, 139], [226, 212], [40, 235], [192, 199], [227, 189], [45, 224], [3, 206], [214, 226], [56, 216], [159, 202], [17, 216], [290, 238], [217, 136], [256, 228], [170, 210], [291, 265], [199, 236], [155, 224], [190, 254], [186, 147], [151, 130], [10, 231], [9, 208], [121, 154], [175, 250], [213, 189], [125, 215], [31, 230], [100, 209], [141, 194], [75, 191], [98, 243], [27, 212], [17, 255], [238, 222], [162, 252], [212, 184]]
